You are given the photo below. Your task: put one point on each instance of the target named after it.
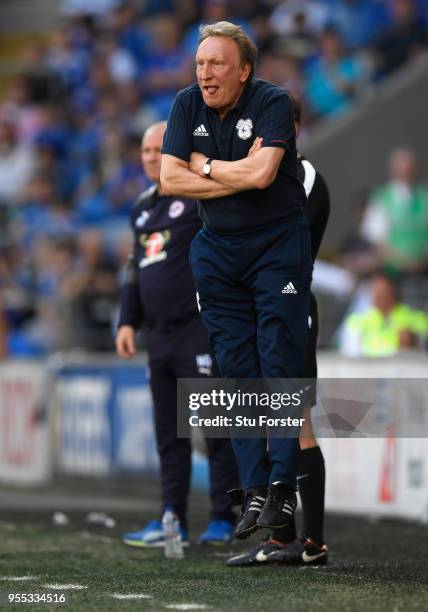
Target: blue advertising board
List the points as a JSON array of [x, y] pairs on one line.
[[105, 420]]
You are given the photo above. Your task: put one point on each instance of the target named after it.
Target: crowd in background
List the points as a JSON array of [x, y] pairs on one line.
[[71, 124]]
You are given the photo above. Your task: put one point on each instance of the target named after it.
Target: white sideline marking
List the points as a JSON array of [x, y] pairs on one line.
[[65, 587], [17, 578], [131, 596], [190, 606]]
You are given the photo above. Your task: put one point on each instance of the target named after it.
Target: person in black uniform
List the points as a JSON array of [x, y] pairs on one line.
[[283, 546], [159, 295], [251, 262]]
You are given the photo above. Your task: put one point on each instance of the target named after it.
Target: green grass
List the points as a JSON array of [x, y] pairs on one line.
[[373, 567]]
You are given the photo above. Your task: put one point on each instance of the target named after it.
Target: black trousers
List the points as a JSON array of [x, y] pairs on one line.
[[186, 354]]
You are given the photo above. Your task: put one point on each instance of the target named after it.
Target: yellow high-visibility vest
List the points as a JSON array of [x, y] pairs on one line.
[[379, 334]]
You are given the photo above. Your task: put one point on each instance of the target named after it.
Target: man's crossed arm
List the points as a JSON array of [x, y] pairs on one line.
[[256, 171], [178, 179]]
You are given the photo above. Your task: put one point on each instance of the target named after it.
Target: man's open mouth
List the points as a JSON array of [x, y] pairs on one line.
[[211, 89]]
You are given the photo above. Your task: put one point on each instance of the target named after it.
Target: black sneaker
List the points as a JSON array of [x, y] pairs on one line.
[[279, 507], [256, 556], [252, 504], [303, 551]]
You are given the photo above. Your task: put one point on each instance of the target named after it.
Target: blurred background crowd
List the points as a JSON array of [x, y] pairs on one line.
[[71, 121]]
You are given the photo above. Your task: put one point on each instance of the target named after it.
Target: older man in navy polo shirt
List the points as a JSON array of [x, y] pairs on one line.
[[251, 262]]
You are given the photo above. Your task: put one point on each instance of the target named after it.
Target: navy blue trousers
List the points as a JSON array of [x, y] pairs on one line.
[[171, 357], [257, 330]]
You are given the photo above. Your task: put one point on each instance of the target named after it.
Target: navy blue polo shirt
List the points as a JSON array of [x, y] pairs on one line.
[[262, 110]]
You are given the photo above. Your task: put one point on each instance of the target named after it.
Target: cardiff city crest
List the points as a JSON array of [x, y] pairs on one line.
[[245, 128]]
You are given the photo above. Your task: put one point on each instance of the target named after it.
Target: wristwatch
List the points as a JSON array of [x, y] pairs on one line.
[[206, 168]]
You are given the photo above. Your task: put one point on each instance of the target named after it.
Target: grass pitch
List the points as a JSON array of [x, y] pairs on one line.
[[374, 566]]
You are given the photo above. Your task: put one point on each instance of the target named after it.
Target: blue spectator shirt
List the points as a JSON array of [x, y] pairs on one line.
[[324, 84]]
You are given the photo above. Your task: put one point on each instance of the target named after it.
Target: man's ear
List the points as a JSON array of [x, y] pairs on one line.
[[245, 72]]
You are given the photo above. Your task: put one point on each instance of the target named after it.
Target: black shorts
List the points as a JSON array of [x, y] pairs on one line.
[[310, 368]]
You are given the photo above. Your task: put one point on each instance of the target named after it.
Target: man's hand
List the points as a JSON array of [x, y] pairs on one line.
[[256, 146], [197, 162], [125, 342], [407, 339]]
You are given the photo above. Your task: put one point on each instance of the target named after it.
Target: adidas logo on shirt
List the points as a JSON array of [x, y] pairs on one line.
[[200, 131], [290, 288]]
